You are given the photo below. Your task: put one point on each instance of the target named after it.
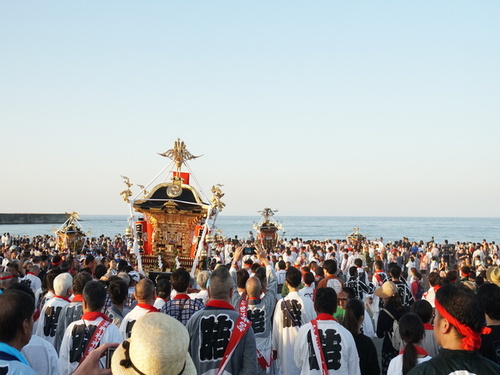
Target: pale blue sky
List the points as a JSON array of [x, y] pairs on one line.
[[376, 108]]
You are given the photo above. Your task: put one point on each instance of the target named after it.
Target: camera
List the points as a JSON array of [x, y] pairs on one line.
[[249, 250]]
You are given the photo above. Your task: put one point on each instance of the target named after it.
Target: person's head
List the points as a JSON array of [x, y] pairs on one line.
[[16, 317], [423, 309], [434, 279], [79, 282], [293, 277], [180, 280], [379, 265], [354, 316], [94, 296], [459, 318], [145, 291], [90, 263], [253, 287], [221, 285], [353, 271], [241, 278], [489, 295], [326, 301], [118, 291], [412, 332], [330, 266], [395, 271], [151, 349], [63, 285], [308, 278], [358, 262], [100, 271], [163, 288], [7, 279], [202, 279], [281, 265]]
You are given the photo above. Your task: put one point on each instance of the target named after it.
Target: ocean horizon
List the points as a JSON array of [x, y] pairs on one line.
[[390, 228]]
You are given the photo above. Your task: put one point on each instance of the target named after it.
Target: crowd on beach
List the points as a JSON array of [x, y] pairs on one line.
[[348, 306]]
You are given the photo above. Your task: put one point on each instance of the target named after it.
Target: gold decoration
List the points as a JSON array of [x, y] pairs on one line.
[[179, 154], [127, 193], [144, 191], [218, 194]]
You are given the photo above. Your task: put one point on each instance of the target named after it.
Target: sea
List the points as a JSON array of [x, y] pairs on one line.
[[309, 227]]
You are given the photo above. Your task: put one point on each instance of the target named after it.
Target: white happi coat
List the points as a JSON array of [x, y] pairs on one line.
[[46, 325], [76, 338], [338, 347], [285, 331]]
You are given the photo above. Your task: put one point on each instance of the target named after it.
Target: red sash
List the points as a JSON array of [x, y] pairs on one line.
[[318, 347], [420, 351], [96, 337], [148, 307], [77, 298], [240, 328], [63, 298]]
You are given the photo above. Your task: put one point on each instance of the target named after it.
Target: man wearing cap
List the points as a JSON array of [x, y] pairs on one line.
[[145, 294], [94, 328], [16, 324], [222, 340], [458, 325], [323, 346], [159, 344], [46, 324]]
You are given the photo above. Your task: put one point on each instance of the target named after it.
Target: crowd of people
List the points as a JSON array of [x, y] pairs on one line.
[[304, 307]]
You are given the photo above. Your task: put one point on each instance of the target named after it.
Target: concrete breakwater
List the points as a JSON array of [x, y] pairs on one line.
[[30, 218]]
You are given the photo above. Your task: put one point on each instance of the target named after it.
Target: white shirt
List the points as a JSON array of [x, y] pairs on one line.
[[41, 356], [129, 320], [46, 325], [396, 365]]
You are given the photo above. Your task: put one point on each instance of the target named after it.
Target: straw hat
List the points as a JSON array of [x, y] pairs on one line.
[[158, 345], [387, 290], [493, 275]]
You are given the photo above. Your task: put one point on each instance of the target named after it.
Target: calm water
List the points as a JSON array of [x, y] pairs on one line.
[[312, 227]]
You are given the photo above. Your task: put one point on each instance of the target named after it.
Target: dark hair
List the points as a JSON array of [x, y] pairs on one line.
[[379, 264], [351, 293], [353, 313], [394, 302], [353, 271], [319, 271], [94, 295], [452, 275], [118, 291], [326, 301], [489, 295], [163, 288], [79, 282], [241, 278], [180, 280], [308, 278], [412, 331], [293, 277], [254, 266], [49, 278], [260, 273], [100, 271], [89, 259], [281, 265], [330, 266], [395, 271], [358, 262], [462, 304], [17, 306], [122, 265], [423, 309], [434, 279]]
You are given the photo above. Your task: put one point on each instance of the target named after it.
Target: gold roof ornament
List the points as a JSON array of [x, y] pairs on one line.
[[179, 154], [267, 213], [218, 194], [127, 193]]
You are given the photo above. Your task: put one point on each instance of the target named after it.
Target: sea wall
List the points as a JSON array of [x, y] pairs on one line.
[[32, 218]]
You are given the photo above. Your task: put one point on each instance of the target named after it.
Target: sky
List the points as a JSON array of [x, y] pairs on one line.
[[327, 108]]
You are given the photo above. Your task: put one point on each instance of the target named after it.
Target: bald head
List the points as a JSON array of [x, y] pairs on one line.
[[145, 291], [253, 287]]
